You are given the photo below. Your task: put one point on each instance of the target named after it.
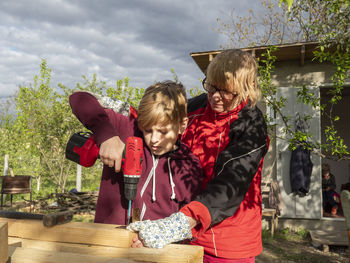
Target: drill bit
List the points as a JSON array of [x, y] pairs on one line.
[[129, 213]]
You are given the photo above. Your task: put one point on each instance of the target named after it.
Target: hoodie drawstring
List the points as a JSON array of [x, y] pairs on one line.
[[155, 163], [173, 195], [152, 175]]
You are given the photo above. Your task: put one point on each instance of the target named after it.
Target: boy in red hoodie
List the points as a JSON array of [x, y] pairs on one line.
[[171, 174]]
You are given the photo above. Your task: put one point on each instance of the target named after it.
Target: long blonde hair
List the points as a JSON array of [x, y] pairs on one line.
[[162, 103], [236, 71]]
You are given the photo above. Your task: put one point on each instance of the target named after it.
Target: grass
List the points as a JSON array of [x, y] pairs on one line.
[[287, 234], [286, 244]]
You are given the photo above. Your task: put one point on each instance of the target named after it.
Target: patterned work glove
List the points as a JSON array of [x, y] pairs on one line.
[[114, 104], [158, 233]]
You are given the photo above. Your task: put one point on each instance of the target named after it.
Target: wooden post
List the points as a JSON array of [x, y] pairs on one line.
[[6, 164], [3, 242], [78, 181], [38, 183], [6, 169]]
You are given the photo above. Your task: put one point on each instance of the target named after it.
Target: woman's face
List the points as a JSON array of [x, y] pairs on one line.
[[219, 104], [220, 100]]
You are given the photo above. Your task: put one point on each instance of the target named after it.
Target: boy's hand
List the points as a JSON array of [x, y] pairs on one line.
[[161, 232], [111, 152], [136, 242]]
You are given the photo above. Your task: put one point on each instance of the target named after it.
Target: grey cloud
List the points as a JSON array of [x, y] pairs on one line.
[[57, 12], [139, 39]]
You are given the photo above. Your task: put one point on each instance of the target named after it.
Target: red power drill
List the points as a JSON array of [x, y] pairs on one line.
[[82, 149]]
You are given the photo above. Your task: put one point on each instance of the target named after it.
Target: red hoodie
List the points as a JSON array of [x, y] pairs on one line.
[[177, 176]]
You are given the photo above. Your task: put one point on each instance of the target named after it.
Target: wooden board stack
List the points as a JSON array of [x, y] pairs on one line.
[[31, 241]]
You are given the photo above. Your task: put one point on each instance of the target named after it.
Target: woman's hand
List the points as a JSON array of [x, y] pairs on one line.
[[161, 232], [111, 152]]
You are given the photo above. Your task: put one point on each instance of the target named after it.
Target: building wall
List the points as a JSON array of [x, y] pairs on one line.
[[291, 74]]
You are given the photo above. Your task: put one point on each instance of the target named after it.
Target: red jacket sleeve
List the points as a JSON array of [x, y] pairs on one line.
[[199, 212]]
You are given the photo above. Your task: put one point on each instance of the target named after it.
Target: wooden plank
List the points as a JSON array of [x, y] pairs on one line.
[[72, 232], [172, 253], [29, 255], [3, 242], [338, 238], [268, 212]]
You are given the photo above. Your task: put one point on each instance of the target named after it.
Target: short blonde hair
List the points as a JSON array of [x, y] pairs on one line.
[[236, 71], [162, 103]]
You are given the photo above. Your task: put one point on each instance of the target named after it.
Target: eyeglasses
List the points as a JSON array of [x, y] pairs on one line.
[[226, 95]]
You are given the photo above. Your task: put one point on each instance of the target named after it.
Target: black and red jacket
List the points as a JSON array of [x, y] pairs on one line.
[[231, 148]]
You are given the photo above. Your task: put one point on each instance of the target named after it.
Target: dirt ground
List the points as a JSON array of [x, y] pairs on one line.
[[293, 248]]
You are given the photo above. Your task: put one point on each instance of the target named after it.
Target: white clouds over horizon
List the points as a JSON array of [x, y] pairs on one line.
[[141, 40]]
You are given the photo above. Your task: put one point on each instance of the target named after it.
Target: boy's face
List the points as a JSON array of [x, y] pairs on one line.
[[326, 175], [161, 139]]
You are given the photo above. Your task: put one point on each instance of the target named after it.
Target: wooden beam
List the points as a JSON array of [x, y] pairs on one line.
[[173, 253], [29, 255], [324, 237], [3, 242], [72, 232]]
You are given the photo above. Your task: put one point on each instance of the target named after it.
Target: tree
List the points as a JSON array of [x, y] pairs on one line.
[[331, 27], [271, 26], [35, 135], [287, 2], [43, 122], [6, 132], [327, 22]]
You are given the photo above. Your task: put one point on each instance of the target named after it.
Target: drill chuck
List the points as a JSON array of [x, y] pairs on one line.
[[130, 185]]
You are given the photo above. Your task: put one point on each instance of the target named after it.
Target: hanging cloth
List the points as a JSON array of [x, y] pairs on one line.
[[300, 165]]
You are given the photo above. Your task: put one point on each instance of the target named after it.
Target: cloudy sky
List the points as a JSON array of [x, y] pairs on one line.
[[142, 40]]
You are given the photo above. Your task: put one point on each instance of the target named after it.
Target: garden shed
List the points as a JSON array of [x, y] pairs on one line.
[[295, 67]]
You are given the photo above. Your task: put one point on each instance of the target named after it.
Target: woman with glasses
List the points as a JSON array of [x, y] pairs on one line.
[[228, 133]]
